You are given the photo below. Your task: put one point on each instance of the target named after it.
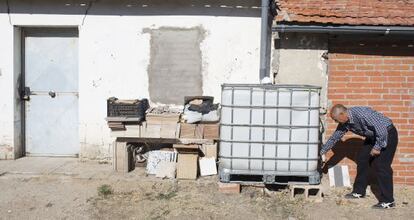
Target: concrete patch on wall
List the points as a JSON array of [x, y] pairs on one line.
[[301, 60], [175, 68]]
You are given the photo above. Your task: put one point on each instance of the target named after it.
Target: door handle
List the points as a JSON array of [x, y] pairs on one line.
[[25, 94], [52, 94]]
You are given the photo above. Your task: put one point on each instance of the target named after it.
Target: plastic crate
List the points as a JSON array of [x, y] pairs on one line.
[[129, 108]]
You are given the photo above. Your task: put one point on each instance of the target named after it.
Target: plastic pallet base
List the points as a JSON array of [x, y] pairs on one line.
[[269, 179]]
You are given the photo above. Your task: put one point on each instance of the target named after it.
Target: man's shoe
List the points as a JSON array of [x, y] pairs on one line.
[[384, 205], [353, 195]]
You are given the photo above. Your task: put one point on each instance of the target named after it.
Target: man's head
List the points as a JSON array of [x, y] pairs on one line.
[[339, 113]]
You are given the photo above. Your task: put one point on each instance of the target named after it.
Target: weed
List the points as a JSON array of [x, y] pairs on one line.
[[105, 190]]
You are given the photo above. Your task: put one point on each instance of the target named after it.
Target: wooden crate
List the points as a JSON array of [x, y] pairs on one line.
[[122, 158], [187, 130]]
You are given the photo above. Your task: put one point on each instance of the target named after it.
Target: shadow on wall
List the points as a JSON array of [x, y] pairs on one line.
[[344, 149], [349, 149], [380, 45], [302, 41], [236, 8]]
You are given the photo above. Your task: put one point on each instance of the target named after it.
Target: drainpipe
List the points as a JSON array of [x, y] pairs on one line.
[[265, 43]]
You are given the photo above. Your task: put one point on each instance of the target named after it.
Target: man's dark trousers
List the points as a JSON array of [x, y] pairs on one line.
[[381, 165]]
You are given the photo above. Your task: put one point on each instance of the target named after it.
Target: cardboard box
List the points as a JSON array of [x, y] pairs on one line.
[[150, 130], [168, 130], [187, 166], [160, 126], [212, 131], [187, 130], [159, 118], [123, 159], [209, 150], [199, 131]]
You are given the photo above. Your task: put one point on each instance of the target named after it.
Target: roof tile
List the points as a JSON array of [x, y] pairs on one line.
[[351, 12]]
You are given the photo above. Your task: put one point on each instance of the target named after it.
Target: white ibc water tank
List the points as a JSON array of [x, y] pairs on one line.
[[269, 129]]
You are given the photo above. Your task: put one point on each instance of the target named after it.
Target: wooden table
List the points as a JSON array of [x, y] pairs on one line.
[[137, 132]]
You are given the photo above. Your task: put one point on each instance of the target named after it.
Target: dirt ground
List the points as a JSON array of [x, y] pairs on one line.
[[137, 196]]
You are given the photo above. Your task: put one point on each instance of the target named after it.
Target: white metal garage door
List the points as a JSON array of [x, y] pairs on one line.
[[51, 74]]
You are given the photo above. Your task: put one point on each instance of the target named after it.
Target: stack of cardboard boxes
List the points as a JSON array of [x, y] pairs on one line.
[[160, 126], [197, 157]]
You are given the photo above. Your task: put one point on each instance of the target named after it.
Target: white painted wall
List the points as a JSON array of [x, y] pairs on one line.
[[114, 57], [6, 89]]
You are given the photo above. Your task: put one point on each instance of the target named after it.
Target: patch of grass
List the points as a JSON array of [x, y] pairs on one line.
[[166, 196], [162, 215], [105, 190]]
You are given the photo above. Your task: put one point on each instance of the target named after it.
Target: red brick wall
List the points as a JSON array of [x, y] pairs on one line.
[[380, 75]]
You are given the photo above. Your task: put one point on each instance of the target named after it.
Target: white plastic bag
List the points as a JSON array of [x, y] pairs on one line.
[[211, 116], [191, 116]]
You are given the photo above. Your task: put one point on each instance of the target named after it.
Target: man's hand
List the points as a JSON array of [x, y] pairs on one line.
[[375, 152], [323, 158]]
